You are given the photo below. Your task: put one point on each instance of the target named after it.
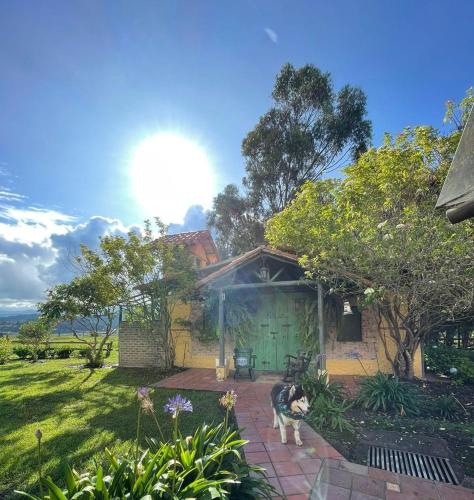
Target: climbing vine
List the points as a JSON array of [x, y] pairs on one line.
[[240, 308]]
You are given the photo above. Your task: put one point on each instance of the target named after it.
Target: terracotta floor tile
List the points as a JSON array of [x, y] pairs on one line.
[[337, 477], [256, 457], [325, 491], [357, 495], [454, 492], [367, 485], [279, 456], [272, 445], [393, 495], [327, 452], [287, 468], [274, 481], [293, 485], [310, 465], [361, 470], [418, 487], [312, 478], [250, 447], [269, 470], [384, 475]]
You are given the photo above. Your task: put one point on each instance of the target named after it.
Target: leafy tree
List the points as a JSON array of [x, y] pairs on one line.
[[376, 233], [34, 334], [310, 130], [457, 114], [158, 277], [5, 349], [90, 301], [239, 226]]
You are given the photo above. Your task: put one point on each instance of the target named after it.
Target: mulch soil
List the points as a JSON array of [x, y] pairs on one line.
[[423, 434]]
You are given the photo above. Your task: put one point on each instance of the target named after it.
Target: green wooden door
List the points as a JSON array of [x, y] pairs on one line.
[[263, 340], [276, 331]]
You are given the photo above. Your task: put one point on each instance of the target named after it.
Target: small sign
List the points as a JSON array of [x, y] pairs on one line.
[[242, 361]]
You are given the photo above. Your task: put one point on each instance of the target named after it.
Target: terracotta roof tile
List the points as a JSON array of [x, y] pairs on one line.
[[189, 237]]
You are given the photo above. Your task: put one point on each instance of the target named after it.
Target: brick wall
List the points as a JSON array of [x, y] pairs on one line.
[[367, 347], [137, 348]]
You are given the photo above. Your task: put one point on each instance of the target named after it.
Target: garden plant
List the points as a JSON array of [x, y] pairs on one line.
[[210, 463]]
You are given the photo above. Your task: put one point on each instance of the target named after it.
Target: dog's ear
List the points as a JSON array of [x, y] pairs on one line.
[[292, 391]]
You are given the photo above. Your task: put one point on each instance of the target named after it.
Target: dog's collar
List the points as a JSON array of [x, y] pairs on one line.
[[282, 402]]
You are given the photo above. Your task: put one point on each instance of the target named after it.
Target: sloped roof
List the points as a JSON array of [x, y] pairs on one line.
[[189, 238], [244, 258], [458, 187]]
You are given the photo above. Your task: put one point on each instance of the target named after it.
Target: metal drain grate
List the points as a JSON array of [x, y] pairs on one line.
[[412, 464]]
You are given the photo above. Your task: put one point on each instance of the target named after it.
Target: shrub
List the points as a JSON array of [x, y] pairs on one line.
[[447, 408], [327, 412], [35, 333], [63, 352], [387, 393], [5, 350], [84, 353], [465, 372], [23, 352], [44, 353], [440, 359], [316, 383], [328, 407]]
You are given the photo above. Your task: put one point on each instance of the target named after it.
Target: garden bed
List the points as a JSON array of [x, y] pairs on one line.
[[423, 433]]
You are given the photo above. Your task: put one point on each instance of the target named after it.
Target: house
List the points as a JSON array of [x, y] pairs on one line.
[[262, 300]]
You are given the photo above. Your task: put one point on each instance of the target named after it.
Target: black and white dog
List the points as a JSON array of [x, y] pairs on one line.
[[290, 405]]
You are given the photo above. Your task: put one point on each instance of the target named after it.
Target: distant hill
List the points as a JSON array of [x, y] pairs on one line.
[[11, 323]]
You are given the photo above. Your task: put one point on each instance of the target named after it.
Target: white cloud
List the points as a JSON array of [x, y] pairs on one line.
[[271, 34], [8, 195], [32, 225], [36, 246]]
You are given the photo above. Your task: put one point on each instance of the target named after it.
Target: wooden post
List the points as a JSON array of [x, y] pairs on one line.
[[321, 325], [221, 329]]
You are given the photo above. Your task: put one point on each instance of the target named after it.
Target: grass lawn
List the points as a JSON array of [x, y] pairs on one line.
[[79, 412]]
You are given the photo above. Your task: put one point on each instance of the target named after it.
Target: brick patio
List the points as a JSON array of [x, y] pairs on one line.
[[316, 470]]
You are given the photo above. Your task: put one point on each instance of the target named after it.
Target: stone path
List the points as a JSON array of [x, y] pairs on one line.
[[316, 470]]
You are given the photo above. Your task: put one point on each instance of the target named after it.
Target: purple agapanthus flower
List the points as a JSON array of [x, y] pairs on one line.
[[178, 404], [143, 392]]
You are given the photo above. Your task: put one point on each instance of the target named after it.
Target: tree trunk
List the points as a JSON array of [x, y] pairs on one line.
[[409, 372]]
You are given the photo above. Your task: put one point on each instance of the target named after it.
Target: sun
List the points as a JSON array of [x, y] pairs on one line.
[[168, 174]]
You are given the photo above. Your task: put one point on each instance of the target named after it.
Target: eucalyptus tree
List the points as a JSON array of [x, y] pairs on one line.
[[310, 130]]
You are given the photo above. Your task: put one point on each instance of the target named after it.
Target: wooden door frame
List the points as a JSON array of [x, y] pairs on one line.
[[269, 284]]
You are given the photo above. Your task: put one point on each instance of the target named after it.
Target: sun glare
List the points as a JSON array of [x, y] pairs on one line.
[[169, 173]]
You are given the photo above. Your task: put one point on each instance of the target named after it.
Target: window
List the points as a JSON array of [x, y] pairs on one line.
[[350, 326]]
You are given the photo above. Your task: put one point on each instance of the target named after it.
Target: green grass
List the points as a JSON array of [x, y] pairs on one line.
[[80, 412]]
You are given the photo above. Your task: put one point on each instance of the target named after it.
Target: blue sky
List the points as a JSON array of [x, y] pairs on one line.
[[84, 83]]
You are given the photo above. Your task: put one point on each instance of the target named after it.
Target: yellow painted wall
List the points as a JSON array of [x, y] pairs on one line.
[[192, 354], [371, 366]]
